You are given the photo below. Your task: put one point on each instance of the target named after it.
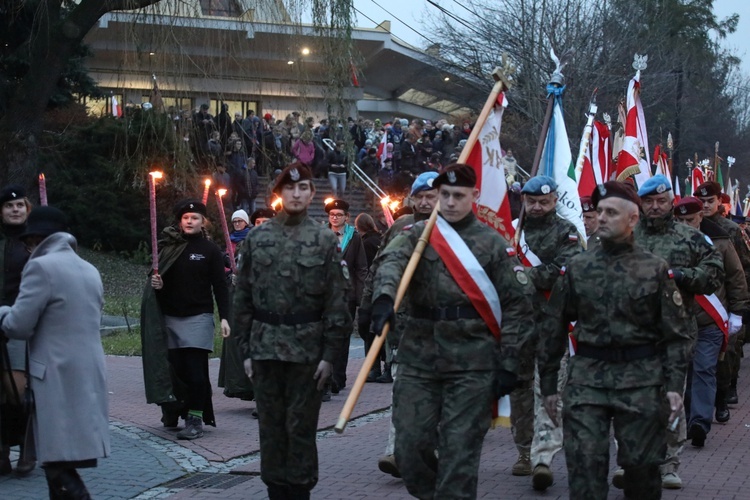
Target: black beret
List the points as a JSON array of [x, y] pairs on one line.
[[262, 213], [12, 192], [457, 174], [615, 189], [339, 204], [709, 188], [293, 173], [190, 205], [688, 205], [44, 221]]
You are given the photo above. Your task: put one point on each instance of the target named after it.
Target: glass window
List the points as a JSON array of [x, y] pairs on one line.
[[220, 8], [101, 106]]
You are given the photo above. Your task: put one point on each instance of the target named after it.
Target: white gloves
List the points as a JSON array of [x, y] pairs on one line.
[[735, 323]]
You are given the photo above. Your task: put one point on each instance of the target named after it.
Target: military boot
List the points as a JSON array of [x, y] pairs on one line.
[[193, 428], [388, 465], [732, 398], [386, 377], [618, 479], [722, 410], [374, 373], [542, 478], [522, 467]]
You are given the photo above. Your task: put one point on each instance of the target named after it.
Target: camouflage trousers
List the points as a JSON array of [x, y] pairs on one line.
[[533, 431], [459, 404], [676, 441], [288, 404], [639, 417], [391, 446]]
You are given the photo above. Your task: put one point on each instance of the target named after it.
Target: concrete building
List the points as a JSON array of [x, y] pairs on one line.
[[250, 55]]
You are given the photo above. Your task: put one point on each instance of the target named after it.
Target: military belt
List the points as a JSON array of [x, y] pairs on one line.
[[451, 313], [616, 354], [299, 318]]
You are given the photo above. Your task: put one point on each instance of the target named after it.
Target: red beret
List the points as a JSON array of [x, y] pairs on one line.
[[724, 198], [615, 189], [457, 174], [688, 205], [293, 173], [587, 205], [709, 188]]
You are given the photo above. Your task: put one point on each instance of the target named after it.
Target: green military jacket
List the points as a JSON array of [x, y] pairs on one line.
[[686, 249], [464, 344], [554, 240], [620, 295], [291, 264]]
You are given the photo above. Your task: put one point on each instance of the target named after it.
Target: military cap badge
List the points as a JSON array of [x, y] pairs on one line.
[[683, 209], [13, 194], [545, 189], [451, 177], [294, 174], [704, 192], [191, 206], [661, 188]]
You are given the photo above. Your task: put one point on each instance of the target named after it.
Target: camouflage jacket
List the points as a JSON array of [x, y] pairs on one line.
[[685, 249], [291, 264], [464, 344], [554, 240], [735, 234], [621, 296]]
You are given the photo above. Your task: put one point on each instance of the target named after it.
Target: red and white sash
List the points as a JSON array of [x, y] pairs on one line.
[[716, 310], [528, 258], [468, 273]]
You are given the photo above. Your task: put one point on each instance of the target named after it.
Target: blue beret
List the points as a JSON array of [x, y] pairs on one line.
[[657, 184], [539, 185], [423, 182]]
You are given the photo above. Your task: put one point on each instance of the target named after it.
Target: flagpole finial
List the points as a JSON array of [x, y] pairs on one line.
[[640, 62], [607, 120], [670, 142], [730, 161], [505, 72], [716, 147], [153, 75], [557, 77]]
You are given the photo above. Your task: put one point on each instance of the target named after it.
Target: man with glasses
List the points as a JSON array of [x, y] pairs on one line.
[[353, 255]]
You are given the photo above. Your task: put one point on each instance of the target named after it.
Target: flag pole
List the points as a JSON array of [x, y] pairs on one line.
[[556, 81], [586, 140], [670, 161], [502, 83]]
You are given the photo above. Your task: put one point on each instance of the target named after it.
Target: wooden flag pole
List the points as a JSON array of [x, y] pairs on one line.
[[501, 82], [556, 80]]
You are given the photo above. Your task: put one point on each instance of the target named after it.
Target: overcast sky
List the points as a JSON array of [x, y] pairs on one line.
[[405, 14]]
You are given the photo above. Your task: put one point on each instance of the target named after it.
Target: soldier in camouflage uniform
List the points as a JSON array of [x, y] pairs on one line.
[[424, 198], [451, 367], [290, 318], [553, 240], [632, 347], [709, 193], [697, 269], [590, 219]]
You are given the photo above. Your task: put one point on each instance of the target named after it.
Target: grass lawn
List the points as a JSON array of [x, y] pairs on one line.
[[123, 284]]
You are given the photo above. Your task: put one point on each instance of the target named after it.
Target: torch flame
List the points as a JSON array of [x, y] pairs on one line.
[[385, 201], [222, 192], [277, 201], [394, 205], [207, 182], [156, 174], [41, 176], [327, 201]]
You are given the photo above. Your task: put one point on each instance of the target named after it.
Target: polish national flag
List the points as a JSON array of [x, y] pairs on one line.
[[382, 149], [116, 109], [598, 160], [633, 158], [493, 207]]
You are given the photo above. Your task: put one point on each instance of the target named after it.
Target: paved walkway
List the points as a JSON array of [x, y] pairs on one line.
[[148, 462]]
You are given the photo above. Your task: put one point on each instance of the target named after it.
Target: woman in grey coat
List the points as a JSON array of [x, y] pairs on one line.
[[58, 311]]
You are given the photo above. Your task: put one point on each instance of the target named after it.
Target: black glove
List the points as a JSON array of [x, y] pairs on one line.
[[677, 275], [382, 313], [505, 383]]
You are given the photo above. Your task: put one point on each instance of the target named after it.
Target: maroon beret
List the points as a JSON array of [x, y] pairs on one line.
[[587, 205], [291, 174], [688, 205], [724, 198], [457, 174], [615, 189], [709, 188]]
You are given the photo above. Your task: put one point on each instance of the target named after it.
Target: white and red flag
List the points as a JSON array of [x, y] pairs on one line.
[[696, 178], [633, 158], [383, 149], [486, 157], [116, 109], [597, 163], [677, 194], [661, 162]]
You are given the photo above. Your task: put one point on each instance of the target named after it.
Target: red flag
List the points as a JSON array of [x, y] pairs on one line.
[[493, 207], [116, 109], [635, 144], [383, 149], [697, 178], [597, 164], [661, 162]]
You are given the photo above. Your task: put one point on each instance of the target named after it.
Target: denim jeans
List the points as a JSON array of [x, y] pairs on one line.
[[701, 385], [338, 183]]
